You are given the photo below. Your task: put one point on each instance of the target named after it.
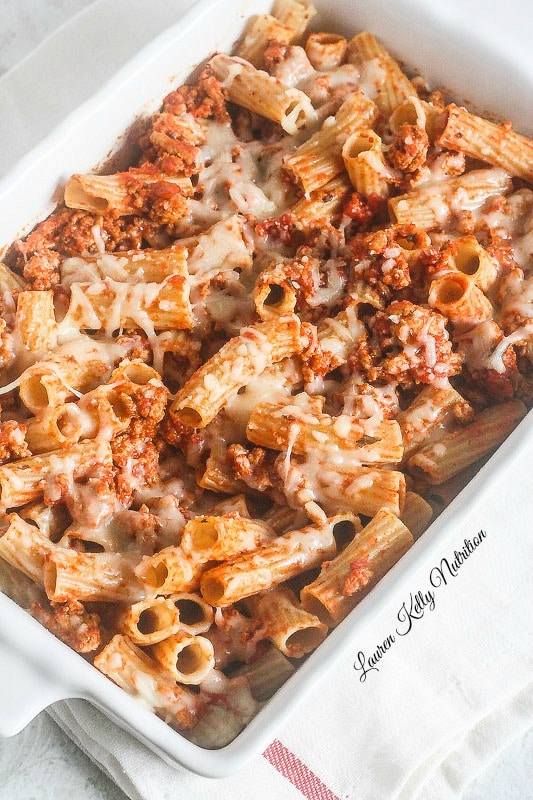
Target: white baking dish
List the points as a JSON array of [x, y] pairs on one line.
[[37, 668]]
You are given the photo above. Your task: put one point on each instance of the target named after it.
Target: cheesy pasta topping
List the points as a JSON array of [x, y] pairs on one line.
[[243, 375]]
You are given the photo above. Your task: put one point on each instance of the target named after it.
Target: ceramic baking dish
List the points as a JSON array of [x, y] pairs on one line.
[[38, 668]]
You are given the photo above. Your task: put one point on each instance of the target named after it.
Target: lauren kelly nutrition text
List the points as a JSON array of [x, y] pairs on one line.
[[418, 603]]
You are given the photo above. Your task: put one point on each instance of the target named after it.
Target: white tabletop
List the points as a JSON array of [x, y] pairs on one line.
[[41, 762]]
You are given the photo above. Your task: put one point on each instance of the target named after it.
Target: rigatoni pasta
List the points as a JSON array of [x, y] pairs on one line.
[[497, 144], [257, 91], [293, 630], [242, 375], [120, 192], [296, 14], [138, 673], [455, 451], [433, 205], [235, 365], [270, 564], [260, 31], [319, 160], [151, 620], [365, 164], [348, 577], [394, 86]]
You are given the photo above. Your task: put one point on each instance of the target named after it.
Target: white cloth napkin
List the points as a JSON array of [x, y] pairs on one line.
[[448, 695]]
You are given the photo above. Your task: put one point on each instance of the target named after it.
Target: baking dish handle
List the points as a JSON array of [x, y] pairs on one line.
[[35, 668], [24, 690]]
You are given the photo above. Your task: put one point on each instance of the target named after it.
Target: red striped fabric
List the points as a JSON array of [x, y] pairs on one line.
[[298, 773]]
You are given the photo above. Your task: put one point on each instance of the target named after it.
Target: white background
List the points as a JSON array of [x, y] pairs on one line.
[[41, 763]]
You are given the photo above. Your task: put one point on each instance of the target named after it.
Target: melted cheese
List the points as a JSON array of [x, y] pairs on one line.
[[521, 335], [265, 387], [295, 69], [221, 248], [80, 270], [478, 343], [372, 76]]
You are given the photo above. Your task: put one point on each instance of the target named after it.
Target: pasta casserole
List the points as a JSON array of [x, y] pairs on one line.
[[242, 376]]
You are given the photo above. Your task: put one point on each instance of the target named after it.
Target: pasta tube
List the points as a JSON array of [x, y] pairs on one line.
[[274, 294], [497, 144], [103, 193], [319, 159], [455, 451], [35, 322], [365, 164], [294, 631], [10, 280], [416, 514], [279, 424], [218, 538], [345, 580], [425, 414], [195, 615], [363, 490], [457, 297], [74, 367], [187, 658], [296, 14], [218, 477], [133, 670], [433, 205], [168, 571], [414, 111], [25, 547], [273, 563], [149, 621], [325, 50], [394, 86], [338, 335], [102, 577], [259, 32], [320, 206], [25, 480], [113, 305], [260, 92], [131, 266], [236, 364], [470, 258], [53, 429], [267, 673]]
